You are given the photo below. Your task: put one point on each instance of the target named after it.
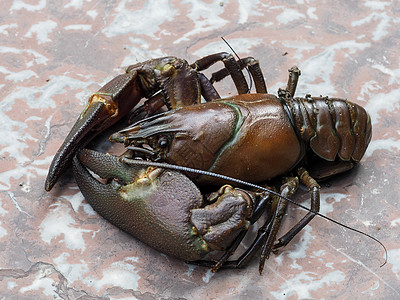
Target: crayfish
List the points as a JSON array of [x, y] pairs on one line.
[[251, 137]]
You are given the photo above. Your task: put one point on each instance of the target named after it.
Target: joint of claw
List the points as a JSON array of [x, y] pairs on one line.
[[107, 100]]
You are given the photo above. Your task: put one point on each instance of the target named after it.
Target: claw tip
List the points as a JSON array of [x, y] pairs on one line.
[[48, 185]]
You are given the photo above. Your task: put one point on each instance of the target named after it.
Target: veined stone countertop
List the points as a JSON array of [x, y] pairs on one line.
[[54, 54]]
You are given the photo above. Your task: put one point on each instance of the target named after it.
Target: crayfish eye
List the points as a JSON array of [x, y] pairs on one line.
[[163, 142]]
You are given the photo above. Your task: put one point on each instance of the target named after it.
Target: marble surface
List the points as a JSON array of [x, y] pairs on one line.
[[53, 54]]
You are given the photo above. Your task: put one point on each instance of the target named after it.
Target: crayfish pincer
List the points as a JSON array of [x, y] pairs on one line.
[[163, 208], [251, 137]]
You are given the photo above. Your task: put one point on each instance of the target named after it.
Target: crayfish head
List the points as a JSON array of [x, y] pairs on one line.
[[155, 147], [192, 136], [153, 138]]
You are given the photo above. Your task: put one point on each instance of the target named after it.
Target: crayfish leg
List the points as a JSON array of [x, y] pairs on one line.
[[230, 64], [254, 68], [266, 234], [291, 86], [149, 108], [288, 188], [207, 89], [314, 190]]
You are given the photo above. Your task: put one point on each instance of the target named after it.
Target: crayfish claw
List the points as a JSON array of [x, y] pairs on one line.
[[105, 108], [150, 203], [72, 143]]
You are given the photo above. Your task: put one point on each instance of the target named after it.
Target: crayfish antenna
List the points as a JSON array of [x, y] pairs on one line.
[[252, 185]]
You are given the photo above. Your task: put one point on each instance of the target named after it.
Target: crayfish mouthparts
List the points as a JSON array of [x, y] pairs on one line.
[[146, 152], [118, 138]]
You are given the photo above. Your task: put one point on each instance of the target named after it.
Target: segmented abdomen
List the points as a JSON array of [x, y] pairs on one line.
[[333, 128]]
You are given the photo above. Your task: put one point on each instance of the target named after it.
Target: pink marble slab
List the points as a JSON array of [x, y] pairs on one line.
[[54, 54]]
